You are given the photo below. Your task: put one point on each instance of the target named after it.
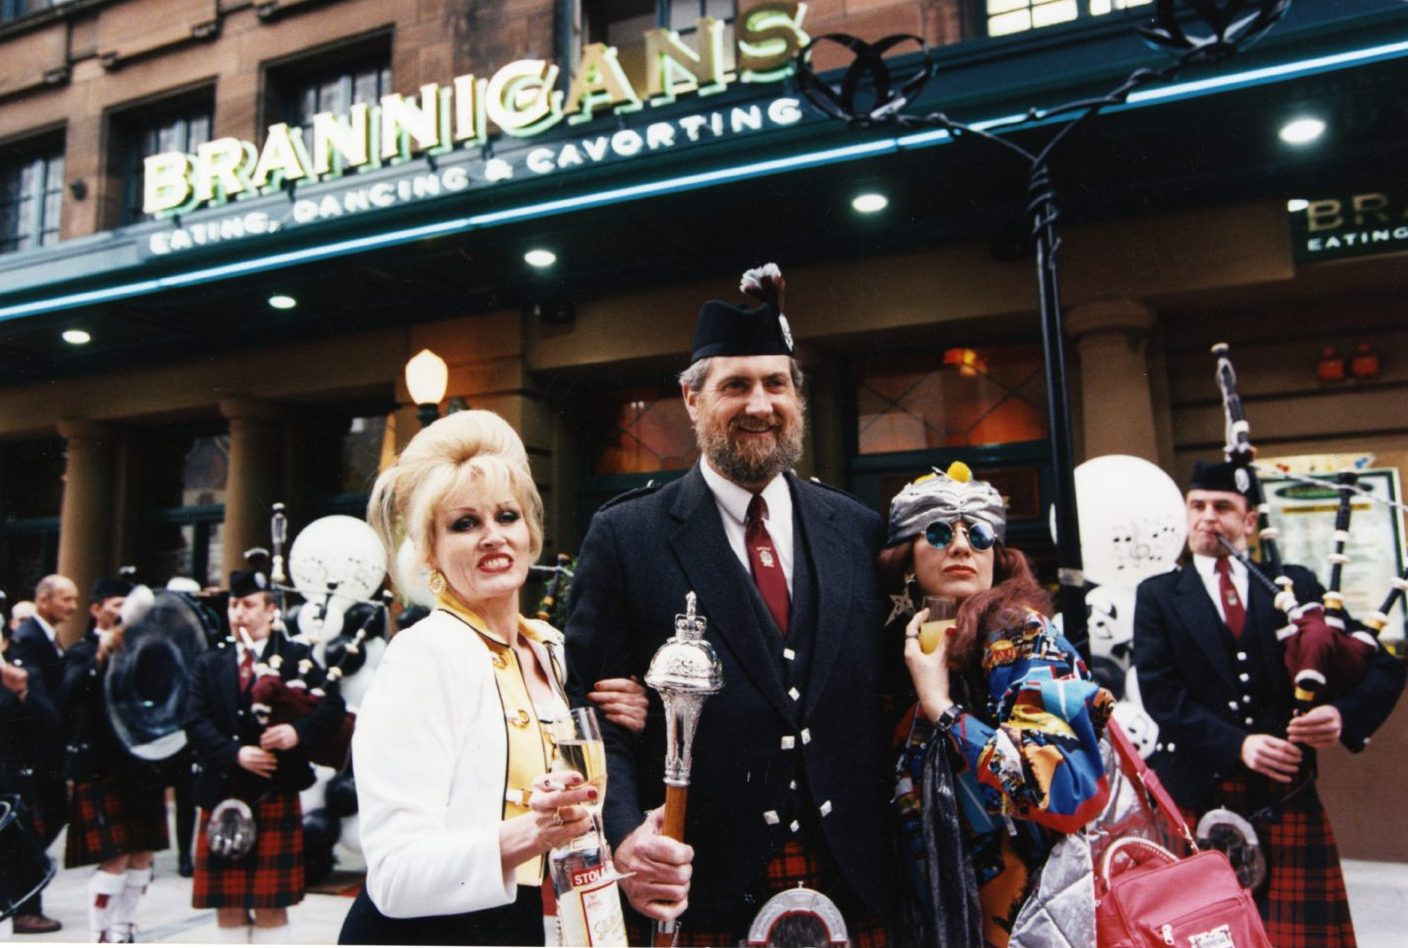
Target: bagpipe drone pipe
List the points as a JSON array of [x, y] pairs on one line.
[[1323, 654], [336, 563]]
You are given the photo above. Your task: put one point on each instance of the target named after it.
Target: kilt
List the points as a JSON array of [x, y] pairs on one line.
[[791, 867], [270, 876], [1303, 902], [108, 817]]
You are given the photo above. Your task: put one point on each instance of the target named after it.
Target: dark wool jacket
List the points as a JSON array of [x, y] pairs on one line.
[[798, 732], [219, 721], [1208, 691]]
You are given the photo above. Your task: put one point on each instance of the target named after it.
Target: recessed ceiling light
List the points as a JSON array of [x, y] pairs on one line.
[[282, 301], [1302, 131], [538, 257], [870, 203], [77, 337], [1296, 205]]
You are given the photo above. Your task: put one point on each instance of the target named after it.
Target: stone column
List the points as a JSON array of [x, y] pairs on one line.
[[253, 478], [1117, 414], [85, 517]]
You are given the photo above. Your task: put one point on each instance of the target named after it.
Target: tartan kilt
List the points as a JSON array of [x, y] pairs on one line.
[[108, 817], [1303, 901], [271, 876], [791, 867]]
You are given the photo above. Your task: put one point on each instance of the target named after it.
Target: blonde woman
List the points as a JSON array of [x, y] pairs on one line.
[[456, 801]]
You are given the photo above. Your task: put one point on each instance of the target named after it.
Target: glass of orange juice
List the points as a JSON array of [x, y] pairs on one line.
[[943, 615]]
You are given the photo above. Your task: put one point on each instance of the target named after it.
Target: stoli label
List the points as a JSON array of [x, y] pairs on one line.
[[587, 876]]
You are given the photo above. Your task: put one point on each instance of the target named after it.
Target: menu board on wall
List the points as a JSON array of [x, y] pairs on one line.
[[1305, 515]]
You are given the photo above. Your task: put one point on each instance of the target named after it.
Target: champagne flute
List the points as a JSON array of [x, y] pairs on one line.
[[943, 616], [579, 747]]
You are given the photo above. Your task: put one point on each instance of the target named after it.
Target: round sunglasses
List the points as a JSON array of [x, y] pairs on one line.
[[980, 535]]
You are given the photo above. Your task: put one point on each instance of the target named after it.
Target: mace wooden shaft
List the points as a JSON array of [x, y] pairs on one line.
[[675, 800]]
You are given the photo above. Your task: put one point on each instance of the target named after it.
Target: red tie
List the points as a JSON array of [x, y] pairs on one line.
[[246, 668], [767, 569], [1232, 607]]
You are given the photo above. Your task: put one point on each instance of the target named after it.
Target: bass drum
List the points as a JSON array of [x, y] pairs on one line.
[[24, 868], [148, 678]]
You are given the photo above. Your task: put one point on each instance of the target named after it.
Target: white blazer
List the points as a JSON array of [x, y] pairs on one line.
[[431, 757]]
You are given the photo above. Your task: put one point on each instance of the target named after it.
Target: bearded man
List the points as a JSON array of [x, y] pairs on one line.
[[788, 777]]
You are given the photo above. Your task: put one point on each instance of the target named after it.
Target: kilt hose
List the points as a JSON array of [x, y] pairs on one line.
[[1303, 901], [791, 867], [270, 876], [108, 817]]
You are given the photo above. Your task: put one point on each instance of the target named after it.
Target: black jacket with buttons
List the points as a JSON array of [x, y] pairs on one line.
[[1208, 690], [28, 733], [798, 732], [91, 746], [219, 722]]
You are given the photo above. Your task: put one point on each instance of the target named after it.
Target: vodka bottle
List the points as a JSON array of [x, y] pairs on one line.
[[588, 898]]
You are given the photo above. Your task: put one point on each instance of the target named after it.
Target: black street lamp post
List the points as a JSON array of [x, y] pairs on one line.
[[1234, 24]]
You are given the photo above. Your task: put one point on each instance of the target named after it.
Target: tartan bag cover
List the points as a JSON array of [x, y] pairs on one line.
[[1163, 900]]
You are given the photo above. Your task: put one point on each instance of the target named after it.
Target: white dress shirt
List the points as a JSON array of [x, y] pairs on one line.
[[50, 632], [733, 502], [260, 648], [1207, 572]]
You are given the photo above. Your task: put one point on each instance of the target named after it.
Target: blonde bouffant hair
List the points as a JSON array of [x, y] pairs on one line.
[[468, 448]]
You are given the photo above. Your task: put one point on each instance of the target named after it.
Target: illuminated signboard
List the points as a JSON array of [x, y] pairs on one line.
[[1351, 225], [452, 123]]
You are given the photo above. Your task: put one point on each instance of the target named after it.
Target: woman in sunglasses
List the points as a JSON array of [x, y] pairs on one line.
[[999, 754]]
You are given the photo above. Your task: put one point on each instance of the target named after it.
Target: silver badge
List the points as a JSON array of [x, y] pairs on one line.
[[786, 331]]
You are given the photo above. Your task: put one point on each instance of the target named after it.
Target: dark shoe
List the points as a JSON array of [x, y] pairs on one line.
[[36, 924], [185, 867]]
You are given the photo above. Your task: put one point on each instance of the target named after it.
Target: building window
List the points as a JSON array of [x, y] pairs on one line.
[[983, 405], [182, 480], [14, 9], [681, 15], [344, 453], [31, 193], [148, 130], [31, 494], [330, 82], [955, 398], [624, 23], [642, 430], [1005, 17]]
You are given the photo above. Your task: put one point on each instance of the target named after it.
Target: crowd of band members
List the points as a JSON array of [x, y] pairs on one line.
[[63, 757], [70, 768], [792, 762]]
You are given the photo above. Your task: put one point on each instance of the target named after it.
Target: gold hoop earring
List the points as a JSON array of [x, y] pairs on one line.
[[436, 582]]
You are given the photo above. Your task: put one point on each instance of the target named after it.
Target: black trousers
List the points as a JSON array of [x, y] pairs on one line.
[[52, 802], [518, 923]]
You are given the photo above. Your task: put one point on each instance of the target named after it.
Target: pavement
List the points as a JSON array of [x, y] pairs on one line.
[[1377, 893], [166, 914]]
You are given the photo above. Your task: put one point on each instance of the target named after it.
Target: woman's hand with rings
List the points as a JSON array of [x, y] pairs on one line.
[[557, 807], [555, 816]]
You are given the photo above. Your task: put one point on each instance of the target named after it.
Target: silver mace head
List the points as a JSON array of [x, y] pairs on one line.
[[685, 671]]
